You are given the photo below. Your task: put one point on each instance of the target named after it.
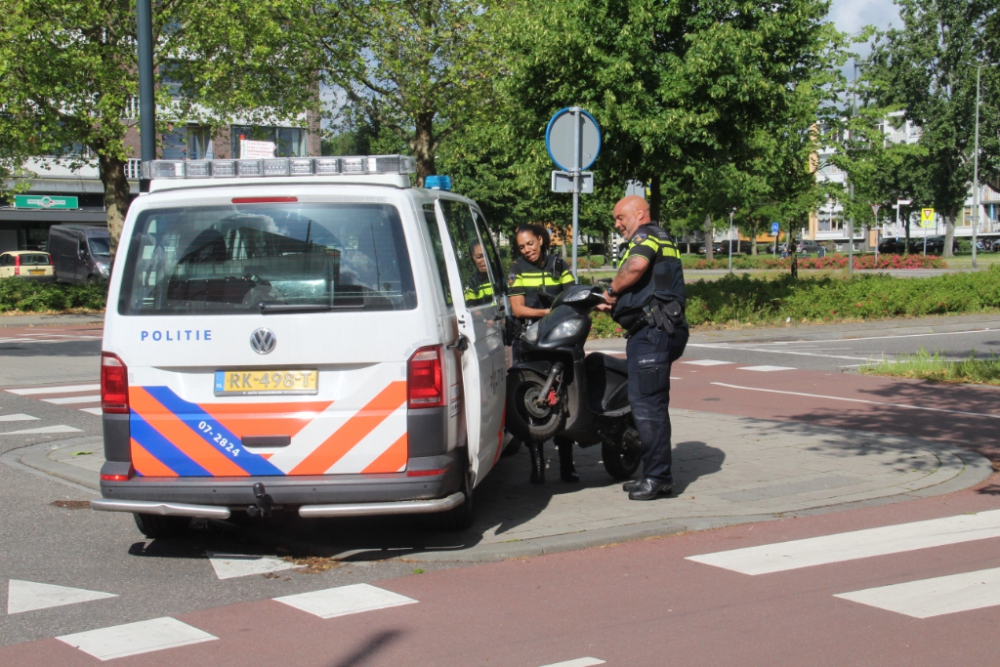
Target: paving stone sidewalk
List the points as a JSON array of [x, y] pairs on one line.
[[728, 469]]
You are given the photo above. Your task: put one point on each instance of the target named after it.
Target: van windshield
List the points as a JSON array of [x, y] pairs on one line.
[[100, 246], [244, 258]]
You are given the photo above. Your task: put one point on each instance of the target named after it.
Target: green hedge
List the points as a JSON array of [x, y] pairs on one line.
[[28, 296], [743, 300]]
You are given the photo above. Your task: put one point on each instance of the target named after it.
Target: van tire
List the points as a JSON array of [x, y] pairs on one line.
[[459, 518], [530, 424], [155, 526]]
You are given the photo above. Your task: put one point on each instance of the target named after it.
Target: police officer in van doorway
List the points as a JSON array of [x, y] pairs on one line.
[[647, 300], [480, 289], [536, 278]]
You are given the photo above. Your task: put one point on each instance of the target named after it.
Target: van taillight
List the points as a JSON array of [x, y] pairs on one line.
[[17, 265], [114, 384], [424, 379]]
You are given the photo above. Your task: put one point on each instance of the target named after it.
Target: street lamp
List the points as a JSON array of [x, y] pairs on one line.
[[975, 162]]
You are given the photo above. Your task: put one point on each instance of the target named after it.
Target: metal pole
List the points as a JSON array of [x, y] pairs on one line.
[[975, 171], [147, 99], [877, 230], [850, 234], [578, 117], [731, 241]]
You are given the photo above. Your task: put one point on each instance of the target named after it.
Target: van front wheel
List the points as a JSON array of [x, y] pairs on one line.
[[155, 526]]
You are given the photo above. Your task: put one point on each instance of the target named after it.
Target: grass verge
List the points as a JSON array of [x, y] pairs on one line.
[[744, 300], [926, 366], [27, 296]]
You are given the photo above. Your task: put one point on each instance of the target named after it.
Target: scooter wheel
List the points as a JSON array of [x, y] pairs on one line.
[[621, 460], [525, 419]]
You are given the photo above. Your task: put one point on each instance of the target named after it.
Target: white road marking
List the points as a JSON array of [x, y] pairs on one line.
[[94, 411], [345, 600], [706, 362], [44, 429], [756, 349], [134, 638], [69, 400], [69, 389], [579, 662], [857, 544], [25, 596], [765, 369], [19, 417], [934, 597], [857, 400], [228, 566], [940, 333], [673, 378]]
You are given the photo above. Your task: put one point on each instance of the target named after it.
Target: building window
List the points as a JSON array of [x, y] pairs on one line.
[[188, 142], [290, 141]]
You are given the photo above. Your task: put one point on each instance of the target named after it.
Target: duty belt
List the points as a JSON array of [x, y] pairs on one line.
[[666, 316]]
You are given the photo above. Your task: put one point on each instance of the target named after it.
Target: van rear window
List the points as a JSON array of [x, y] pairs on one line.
[[241, 258]]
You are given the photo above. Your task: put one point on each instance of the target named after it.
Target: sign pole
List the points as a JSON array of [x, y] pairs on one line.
[[731, 240], [578, 129], [147, 100]]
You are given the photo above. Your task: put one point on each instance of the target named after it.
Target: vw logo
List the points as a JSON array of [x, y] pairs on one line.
[[263, 341]]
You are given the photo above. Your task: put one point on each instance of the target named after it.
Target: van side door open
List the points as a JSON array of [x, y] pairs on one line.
[[479, 322]]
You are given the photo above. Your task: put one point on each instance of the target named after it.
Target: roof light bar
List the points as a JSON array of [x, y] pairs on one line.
[[295, 166]]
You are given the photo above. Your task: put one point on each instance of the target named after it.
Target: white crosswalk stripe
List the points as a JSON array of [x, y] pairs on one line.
[[706, 362], [934, 597], [19, 417], [867, 543], [68, 389], [93, 411], [69, 400], [136, 638], [343, 600], [922, 598], [766, 369], [61, 428]]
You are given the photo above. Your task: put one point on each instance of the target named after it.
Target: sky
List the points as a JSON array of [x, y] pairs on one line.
[[852, 15]]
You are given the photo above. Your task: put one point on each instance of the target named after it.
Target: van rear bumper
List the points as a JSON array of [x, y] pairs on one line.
[[206, 496]]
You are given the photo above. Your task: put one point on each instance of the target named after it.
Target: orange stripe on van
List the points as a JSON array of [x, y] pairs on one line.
[[182, 437], [351, 433], [244, 419], [148, 465], [392, 459]]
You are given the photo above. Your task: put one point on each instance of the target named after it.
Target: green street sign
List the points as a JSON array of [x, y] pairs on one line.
[[45, 202]]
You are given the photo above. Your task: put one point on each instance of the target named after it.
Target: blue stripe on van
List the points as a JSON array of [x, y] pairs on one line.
[[163, 450], [192, 415]]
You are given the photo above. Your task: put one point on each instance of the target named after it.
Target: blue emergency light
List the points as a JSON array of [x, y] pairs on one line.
[[437, 183]]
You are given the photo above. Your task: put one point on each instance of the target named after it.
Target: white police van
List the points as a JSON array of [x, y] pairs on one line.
[[306, 334]]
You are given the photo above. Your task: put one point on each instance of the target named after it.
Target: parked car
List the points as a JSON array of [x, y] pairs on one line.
[[81, 253], [935, 245], [809, 248], [892, 245], [29, 264], [716, 249], [995, 245]]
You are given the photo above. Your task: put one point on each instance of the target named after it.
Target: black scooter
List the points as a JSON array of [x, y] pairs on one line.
[[555, 388]]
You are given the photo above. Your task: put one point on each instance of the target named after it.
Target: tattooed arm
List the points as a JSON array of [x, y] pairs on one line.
[[629, 273]]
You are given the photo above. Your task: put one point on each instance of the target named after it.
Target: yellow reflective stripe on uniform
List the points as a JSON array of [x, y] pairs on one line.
[[664, 248], [566, 278]]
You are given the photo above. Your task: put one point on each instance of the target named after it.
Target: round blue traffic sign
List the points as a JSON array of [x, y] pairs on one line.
[[774, 228], [561, 137]]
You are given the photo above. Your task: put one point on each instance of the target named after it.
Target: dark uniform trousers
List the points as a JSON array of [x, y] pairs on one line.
[[650, 352]]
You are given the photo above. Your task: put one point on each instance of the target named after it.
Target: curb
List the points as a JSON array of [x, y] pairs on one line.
[[37, 458]]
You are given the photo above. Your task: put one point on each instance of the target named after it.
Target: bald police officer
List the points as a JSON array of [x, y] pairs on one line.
[[647, 298]]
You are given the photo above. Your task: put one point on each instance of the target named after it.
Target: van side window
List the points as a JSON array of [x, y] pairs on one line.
[[442, 269], [496, 268], [473, 265]]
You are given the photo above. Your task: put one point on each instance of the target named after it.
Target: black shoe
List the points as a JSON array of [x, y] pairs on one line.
[[569, 475], [537, 463], [649, 489], [632, 485]]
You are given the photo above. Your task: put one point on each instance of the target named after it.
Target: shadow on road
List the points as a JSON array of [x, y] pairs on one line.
[[694, 459]]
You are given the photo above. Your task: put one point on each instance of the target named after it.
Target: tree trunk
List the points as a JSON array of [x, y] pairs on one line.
[[423, 147], [116, 193], [949, 235], [655, 200], [709, 236], [793, 247], [753, 245]]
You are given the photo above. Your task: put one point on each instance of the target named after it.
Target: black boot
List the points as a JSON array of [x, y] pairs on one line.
[[537, 463], [567, 471]]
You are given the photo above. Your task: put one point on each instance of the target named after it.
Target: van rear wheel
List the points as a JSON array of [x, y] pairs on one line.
[[459, 518], [155, 526]]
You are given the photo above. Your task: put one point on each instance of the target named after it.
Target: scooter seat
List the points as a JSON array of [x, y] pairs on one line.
[[611, 363], [607, 380]]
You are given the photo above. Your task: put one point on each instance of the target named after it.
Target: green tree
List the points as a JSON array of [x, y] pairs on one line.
[[68, 71], [928, 69], [422, 69]]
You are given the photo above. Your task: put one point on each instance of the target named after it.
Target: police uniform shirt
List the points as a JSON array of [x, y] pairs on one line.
[[479, 291], [663, 278], [528, 280]]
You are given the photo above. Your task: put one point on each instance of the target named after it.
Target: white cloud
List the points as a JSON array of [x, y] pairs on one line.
[[852, 15]]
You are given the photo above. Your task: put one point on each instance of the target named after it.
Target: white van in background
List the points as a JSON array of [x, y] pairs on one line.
[[305, 334]]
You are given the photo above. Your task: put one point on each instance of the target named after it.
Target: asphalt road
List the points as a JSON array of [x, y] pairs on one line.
[[640, 603]]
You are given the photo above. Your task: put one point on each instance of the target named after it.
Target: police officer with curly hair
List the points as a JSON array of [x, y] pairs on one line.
[[535, 279], [647, 298]]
